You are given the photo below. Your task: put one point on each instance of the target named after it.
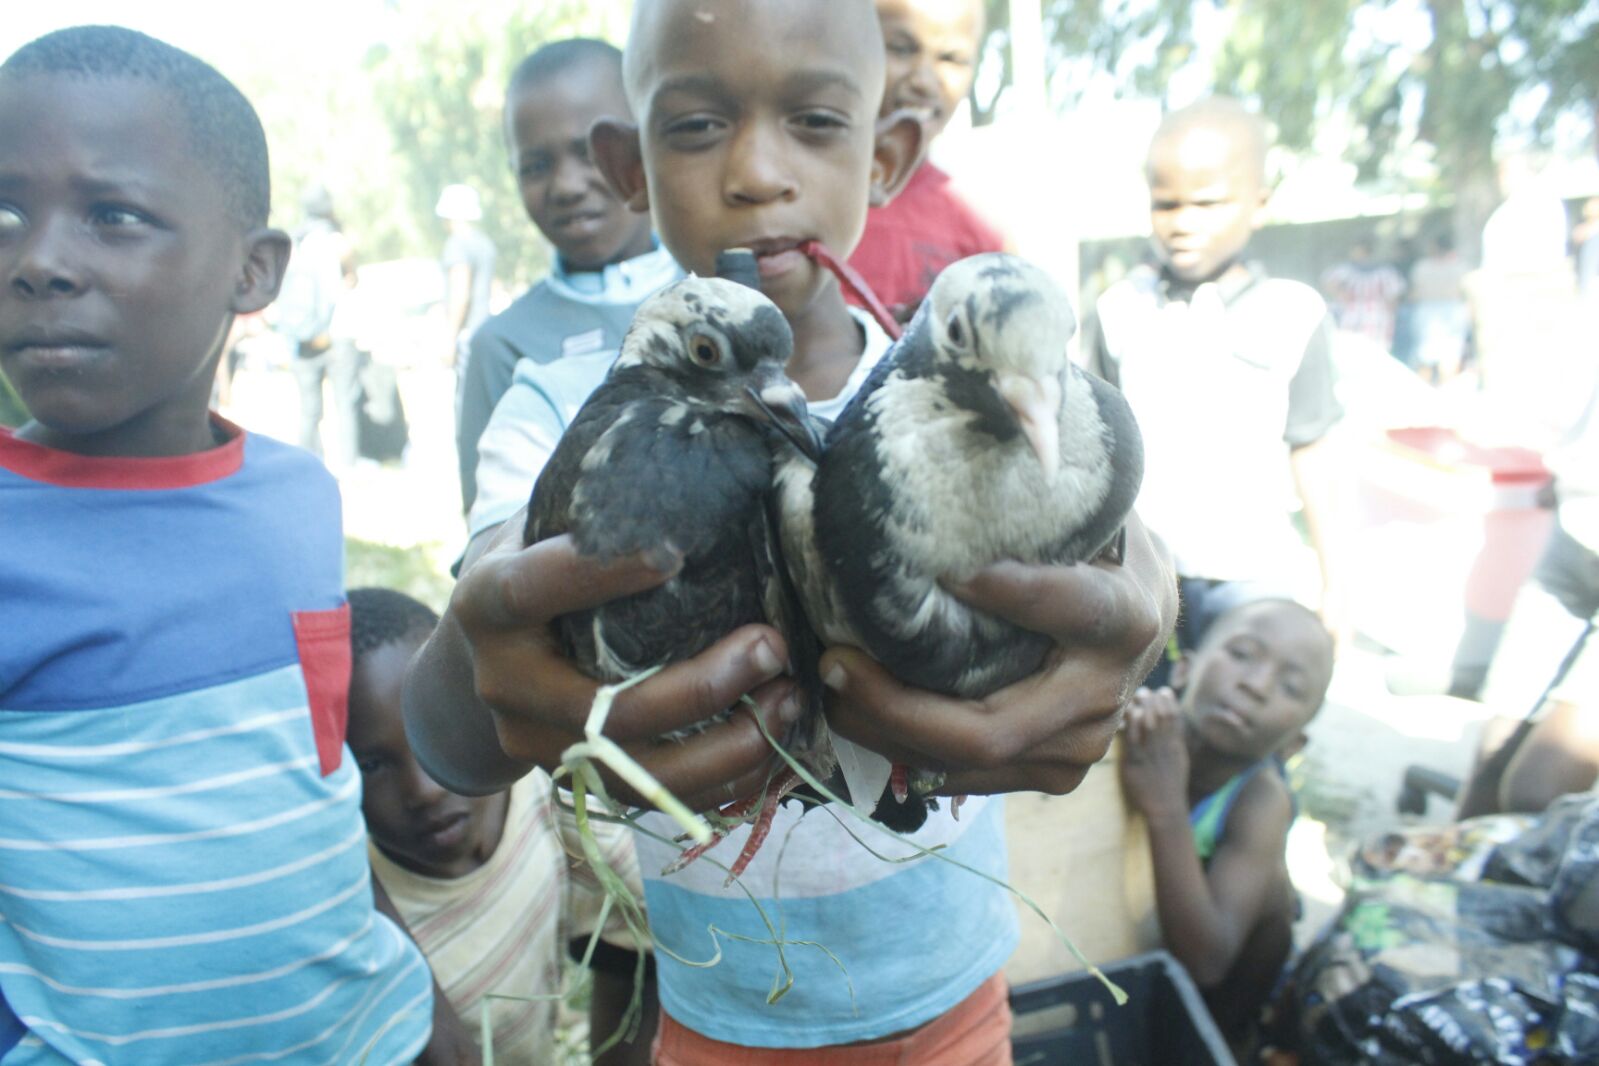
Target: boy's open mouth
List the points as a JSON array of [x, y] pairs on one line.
[[775, 256]]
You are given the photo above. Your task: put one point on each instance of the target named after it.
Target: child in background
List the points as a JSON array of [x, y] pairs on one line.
[[606, 260], [1201, 766], [1228, 371], [185, 877], [932, 48], [758, 129], [486, 885]]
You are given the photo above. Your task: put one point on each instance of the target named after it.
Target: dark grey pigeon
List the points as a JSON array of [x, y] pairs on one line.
[[675, 449], [974, 441]]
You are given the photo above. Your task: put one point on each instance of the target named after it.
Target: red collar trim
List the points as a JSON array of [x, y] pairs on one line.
[[70, 471]]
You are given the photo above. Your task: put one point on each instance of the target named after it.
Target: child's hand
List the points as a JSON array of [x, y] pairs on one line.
[[1155, 755], [1044, 732], [491, 694]]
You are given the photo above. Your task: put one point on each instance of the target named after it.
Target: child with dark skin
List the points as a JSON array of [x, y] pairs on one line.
[[1221, 883], [931, 51], [754, 116], [555, 95], [134, 197], [444, 839], [1208, 192]]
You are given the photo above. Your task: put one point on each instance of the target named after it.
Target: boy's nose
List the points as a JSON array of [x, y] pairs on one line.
[[43, 266], [757, 167], [570, 181], [421, 791]]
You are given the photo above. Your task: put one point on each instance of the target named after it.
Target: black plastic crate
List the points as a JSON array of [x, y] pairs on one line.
[[1072, 1020]]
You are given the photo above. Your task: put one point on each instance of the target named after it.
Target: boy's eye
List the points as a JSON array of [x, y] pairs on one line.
[[535, 168], [11, 220], [692, 130], [369, 764], [118, 217]]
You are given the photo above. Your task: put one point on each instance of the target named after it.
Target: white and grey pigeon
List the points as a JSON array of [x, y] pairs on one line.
[[675, 449], [975, 440]]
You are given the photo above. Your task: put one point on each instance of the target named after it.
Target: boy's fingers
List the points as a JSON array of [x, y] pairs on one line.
[[1051, 778], [935, 732], [699, 688], [533, 585], [680, 696], [731, 759], [1076, 605]]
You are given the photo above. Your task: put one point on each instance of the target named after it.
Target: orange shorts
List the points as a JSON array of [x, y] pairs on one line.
[[975, 1032]]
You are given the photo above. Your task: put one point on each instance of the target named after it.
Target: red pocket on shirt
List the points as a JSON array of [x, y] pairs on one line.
[[323, 639]]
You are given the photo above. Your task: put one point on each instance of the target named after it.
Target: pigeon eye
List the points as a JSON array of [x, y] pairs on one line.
[[955, 329], [705, 350]]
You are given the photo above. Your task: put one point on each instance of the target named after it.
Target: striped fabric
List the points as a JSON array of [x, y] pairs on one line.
[[501, 931], [180, 881]]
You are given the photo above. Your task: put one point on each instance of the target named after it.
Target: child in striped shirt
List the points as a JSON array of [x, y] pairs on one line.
[[488, 885]]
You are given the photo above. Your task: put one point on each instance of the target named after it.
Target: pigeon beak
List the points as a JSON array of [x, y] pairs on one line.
[[1037, 406], [782, 403]]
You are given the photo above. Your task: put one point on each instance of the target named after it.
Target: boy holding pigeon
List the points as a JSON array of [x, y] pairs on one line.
[[753, 116]]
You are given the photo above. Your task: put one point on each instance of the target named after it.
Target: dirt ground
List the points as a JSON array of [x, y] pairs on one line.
[[1075, 856]]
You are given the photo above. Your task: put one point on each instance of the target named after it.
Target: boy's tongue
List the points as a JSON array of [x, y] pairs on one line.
[[777, 263]]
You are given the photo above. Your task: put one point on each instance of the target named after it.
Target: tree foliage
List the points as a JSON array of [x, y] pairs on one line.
[[1440, 74], [439, 84]]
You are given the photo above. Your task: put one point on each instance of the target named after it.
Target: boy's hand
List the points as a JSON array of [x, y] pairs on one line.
[[1044, 732], [496, 642], [1155, 755]]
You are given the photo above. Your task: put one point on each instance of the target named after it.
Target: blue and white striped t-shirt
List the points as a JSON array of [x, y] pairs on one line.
[[183, 868]]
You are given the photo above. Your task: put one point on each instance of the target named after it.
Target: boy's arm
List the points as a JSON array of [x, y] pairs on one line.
[[1320, 468], [1043, 733], [491, 695], [1205, 916]]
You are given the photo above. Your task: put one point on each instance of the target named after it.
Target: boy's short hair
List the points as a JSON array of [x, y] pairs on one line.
[[224, 130], [1219, 625], [384, 616], [557, 57], [1246, 129]]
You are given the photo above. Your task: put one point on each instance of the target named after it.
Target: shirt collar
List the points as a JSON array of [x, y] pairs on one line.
[[1227, 288], [626, 282]]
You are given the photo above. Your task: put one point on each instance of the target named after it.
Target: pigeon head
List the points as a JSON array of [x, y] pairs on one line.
[[999, 323], [725, 346]]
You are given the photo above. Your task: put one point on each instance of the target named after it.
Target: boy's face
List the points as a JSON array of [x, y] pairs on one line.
[[1204, 201], [932, 48], [120, 264], [757, 130], [409, 815], [1256, 683], [564, 193]]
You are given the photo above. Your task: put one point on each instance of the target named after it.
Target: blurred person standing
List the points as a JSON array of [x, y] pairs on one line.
[[1229, 372], [1364, 294], [1585, 242], [320, 271], [468, 262], [1438, 312]]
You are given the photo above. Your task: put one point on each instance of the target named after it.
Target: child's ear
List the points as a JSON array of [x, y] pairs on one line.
[[896, 153], [1180, 671], [615, 149], [266, 256]]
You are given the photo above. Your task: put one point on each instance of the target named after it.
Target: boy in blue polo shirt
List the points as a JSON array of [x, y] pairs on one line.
[[606, 259]]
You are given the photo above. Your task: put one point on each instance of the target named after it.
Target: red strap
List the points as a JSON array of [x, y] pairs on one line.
[[851, 280]]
